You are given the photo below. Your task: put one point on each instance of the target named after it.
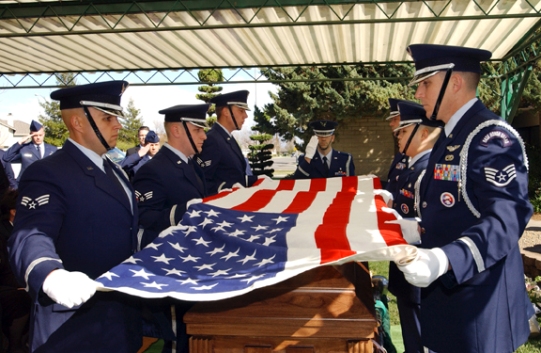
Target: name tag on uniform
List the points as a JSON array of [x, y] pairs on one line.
[[27, 155], [449, 172]]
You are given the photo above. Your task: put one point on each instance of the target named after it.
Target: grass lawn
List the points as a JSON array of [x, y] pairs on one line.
[[382, 268]]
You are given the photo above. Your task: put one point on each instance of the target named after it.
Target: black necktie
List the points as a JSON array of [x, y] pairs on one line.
[[39, 151], [325, 165], [112, 176], [199, 181]]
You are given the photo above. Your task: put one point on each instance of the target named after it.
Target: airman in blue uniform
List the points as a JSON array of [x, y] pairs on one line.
[[164, 186], [400, 161], [27, 153], [131, 163], [222, 160], [141, 135], [474, 208], [416, 136], [76, 219], [320, 159]]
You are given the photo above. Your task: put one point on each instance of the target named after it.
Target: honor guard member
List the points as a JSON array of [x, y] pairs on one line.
[[131, 163], [416, 136], [222, 160], [167, 182], [27, 152], [164, 186], [320, 159], [474, 206], [400, 161], [76, 219], [141, 135]]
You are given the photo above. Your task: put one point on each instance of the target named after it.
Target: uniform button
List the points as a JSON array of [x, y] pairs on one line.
[[424, 204]]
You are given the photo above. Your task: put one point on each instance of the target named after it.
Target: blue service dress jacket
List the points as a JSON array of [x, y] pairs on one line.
[[398, 166], [163, 187], [26, 154], [404, 204], [9, 171], [222, 161], [475, 210], [341, 165], [131, 163], [70, 215]]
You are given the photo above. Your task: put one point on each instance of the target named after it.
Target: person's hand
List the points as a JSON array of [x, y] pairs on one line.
[[26, 138], [408, 226], [387, 196], [69, 288], [143, 150], [429, 265], [311, 147]]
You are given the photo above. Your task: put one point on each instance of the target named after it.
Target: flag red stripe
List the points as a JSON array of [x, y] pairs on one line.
[[319, 184], [350, 184], [331, 237], [257, 201], [301, 202], [286, 184]]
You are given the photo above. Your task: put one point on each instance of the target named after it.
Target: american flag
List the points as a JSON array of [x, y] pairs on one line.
[[239, 240]]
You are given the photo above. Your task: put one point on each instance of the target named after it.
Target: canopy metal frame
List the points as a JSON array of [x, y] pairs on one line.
[[25, 20]]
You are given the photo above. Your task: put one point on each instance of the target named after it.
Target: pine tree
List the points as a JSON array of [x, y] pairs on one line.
[[210, 90], [260, 156], [132, 120], [56, 131]]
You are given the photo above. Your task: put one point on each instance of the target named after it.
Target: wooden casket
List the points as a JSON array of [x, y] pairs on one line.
[[328, 309]]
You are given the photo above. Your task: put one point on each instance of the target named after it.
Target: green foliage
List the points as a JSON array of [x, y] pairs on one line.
[[260, 156], [56, 131], [346, 93], [210, 90], [132, 120]]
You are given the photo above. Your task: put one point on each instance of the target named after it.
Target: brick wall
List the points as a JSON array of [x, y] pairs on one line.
[[370, 142]]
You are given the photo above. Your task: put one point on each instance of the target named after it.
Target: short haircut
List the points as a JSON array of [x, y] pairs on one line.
[[143, 128], [471, 78]]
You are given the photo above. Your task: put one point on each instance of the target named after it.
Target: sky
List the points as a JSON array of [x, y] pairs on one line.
[[23, 104]]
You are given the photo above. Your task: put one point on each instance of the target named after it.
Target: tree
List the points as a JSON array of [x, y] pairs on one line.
[[260, 156], [56, 131], [210, 90], [329, 93], [128, 136]]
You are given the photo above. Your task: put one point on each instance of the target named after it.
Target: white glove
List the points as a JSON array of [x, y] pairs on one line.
[[387, 196], [69, 288], [311, 147], [429, 265], [408, 226]]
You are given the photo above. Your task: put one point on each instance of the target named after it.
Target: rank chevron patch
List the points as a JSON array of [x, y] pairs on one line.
[[141, 198], [502, 177], [32, 204]]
